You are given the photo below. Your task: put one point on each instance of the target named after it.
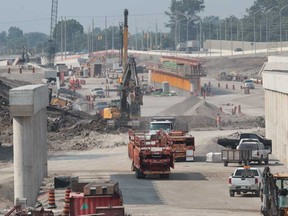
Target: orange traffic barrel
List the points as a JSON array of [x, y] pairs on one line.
[[66, 209], [51, 199]]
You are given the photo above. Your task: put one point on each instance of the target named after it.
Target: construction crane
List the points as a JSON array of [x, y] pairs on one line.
[[51, 51]]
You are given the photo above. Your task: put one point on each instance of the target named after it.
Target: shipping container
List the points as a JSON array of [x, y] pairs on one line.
[[111, 211], [83, 205]]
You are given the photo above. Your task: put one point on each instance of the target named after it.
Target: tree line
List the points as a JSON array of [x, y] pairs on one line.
[[264, 21]]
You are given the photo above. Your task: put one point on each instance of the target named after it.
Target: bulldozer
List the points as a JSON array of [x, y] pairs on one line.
[[128, 109], [274, 193]]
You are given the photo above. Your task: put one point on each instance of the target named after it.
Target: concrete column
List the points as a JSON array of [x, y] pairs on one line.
[[28, 109]]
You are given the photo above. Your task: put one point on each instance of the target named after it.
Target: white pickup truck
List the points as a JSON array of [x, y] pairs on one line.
[[244, 180], [259, 153]]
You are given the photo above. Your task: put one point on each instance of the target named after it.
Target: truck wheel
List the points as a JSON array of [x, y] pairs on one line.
[[257, 193], [133, 167], [225, 163], [261, 159], [266, 160], [139, 174], [164, 176], [232, 193]]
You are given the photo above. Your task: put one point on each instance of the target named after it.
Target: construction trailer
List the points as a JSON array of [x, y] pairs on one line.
[[150, 156]]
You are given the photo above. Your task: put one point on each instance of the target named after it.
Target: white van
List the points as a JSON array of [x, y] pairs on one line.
[[248, 84]]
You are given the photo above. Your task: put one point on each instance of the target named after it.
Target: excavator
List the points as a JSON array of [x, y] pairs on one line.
[[126, 110], [274, 193]]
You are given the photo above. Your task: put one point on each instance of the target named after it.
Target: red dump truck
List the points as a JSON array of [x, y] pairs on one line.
[[150, 156]]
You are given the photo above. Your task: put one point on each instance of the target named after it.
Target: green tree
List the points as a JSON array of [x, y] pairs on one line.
[[36, 41], [15, 40], [181, 13], [74, 34]]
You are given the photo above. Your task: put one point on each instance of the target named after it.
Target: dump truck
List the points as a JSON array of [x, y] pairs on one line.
[[182, 143], [152, 156]]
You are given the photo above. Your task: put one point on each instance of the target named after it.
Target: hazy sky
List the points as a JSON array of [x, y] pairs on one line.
[[34, 15]]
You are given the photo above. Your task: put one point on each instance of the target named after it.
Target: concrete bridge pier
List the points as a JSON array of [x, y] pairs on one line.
[[28, 109]]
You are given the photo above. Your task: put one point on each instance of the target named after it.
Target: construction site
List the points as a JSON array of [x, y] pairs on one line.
[[80, 137]]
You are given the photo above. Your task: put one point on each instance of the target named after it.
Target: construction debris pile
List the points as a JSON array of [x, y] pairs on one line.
[[67, 130], [76, 130]]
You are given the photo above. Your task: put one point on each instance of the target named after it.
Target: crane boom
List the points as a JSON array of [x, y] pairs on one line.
[[131, 95], [51, 51]]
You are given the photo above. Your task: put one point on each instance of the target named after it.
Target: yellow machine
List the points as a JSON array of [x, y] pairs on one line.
[[274, 194], [131, 95]]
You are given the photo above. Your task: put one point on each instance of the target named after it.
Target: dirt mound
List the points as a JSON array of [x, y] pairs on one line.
[[197, 113], [180, 108]]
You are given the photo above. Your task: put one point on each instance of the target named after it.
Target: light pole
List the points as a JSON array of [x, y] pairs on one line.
[[176, 41], [266, 12], [73, 39], [210, 36], [280, 24], [255, 30], [188, 21]]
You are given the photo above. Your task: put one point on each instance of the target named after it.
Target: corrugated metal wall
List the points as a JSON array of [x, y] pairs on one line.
[[276, 117]]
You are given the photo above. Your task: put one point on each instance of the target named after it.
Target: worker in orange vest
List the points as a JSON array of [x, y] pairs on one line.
[[218, 120]]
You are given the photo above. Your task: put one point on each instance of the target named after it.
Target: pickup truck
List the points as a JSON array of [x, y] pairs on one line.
[[259, 153], [244, 180], [232, 143]]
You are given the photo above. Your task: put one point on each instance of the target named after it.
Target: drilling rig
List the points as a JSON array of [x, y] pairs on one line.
[[131, 97]]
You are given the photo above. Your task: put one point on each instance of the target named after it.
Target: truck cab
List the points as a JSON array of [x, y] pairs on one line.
[[155, 126]]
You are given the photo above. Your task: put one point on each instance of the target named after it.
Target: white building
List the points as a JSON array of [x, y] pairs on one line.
[[275, 83]]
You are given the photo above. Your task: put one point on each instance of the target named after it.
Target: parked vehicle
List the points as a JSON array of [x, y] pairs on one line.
[[259, 153], [244, 180], [150, 156], [248, 84], [232, 143], [97, 93]]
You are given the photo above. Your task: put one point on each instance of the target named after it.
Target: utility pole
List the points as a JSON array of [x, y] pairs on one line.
[[65, 38], [106, 36], [92, 39], [61, 38], [156, 38], [113, 37]]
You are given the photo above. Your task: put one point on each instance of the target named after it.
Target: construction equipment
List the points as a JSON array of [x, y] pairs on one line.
[[274, 196], [150, 156], [131, 97], [52, 49]]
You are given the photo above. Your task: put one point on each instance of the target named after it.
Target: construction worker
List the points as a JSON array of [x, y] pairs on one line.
[[218, 120]]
